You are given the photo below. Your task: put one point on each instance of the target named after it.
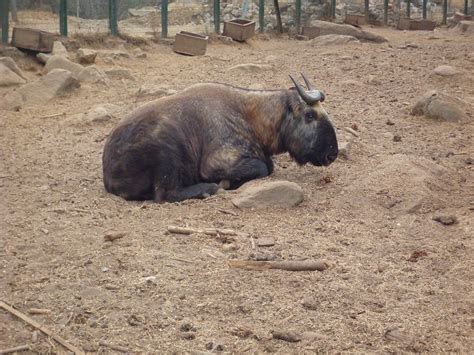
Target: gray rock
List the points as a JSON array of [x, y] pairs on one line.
[[270, 194], [92, 74], [59, 49], [10, 64], [154, 91], [56, 83], [119, 73], [439, 106], [11, 52], [86, 56], [251, 67], [60, 62], [445, 70], [8, 77], [333, 39]]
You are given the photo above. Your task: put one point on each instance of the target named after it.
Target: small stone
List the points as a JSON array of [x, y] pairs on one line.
[[104, 269], [469, 161], [120, 73], [251, 68], [90, 348], [344, 148], [86, 56], [154, 91], [289, 336], [34, 336], [43, 57], [446, 220], [445, 70], [187, 327], [373, 80], [397, 138], [389, 122], [188, 336], [229, 247], [151, 280], [114, 55], [212, 346], [309, 303], [272, 194], [301, 37], [93, 75], [266, 242], [417, 254], [133, 320], [388, 135]]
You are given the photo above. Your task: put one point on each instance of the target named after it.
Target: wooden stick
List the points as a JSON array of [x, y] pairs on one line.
[[232, 213], [122, 349], [110, 237], [53, 115], [15, 349], [40, 327], [282, 265], [352, 131], [208, 231], [39, 311]]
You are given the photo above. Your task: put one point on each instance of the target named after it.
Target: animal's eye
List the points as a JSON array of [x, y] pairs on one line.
[[310, 116]]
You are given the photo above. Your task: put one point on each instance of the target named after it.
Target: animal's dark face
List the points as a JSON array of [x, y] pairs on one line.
[[310, 136]]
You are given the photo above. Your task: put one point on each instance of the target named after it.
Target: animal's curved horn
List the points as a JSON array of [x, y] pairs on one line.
[[307, 82], [309, 97]]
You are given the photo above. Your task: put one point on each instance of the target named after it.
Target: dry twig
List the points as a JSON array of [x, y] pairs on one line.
[[207, 231], [15, 349], [40, 327], [119, 348], [282, 265]]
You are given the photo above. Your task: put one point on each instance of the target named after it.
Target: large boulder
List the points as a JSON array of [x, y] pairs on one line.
[[8, 77], [56, 83], [60, 62], [10, 64], [333, 39], [59, 49], [434, 104], [322, 28], [269, 194]]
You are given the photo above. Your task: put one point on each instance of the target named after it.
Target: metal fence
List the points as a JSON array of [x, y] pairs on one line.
[[163, 18]]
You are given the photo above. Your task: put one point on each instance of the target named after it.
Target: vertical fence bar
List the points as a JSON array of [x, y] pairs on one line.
[[408, 8], [113, 25], [385, 12], [333, 9], [425, 3], [298, 16], [261, 15], [217, 16], [366, 7], [63, 17], [4, 18], [465, 7], [445, 12]]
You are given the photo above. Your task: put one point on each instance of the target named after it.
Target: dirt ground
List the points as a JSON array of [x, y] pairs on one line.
[[399, 281]]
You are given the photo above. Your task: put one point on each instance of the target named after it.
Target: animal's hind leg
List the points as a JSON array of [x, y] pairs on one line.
[[198, 191]]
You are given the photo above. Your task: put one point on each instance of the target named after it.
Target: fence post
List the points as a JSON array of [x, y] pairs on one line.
[[385, 11], [366, 6], [217, 16], [408, 8], [261, 15], [4, 18], [113, 25], [465, 7], [63, 17], [445, 12], [298, 16], [425, 3], [333, 9]]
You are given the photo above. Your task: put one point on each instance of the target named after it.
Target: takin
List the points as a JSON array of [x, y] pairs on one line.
[[212, 135]]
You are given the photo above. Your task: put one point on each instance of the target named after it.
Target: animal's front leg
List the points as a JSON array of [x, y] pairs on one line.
[[198, 191], [243, 171]]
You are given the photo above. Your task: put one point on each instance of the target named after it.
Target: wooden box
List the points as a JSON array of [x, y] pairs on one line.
[[416, 25], [190, 43], [353, 19], [239, 29], [36, 40]]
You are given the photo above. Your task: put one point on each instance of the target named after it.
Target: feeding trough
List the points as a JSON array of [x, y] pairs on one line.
[[416, 25], [190, 43], [239, 29], [32, 39]]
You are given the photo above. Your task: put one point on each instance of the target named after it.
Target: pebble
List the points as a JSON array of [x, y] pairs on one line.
[[266, 242], [397, 138], [104, 269], [446, 220]]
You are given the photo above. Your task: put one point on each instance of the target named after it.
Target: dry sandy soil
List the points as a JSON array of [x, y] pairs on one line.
[[399, 281]]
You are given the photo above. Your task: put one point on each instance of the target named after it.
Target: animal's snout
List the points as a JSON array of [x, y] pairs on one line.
[[331, 157]]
